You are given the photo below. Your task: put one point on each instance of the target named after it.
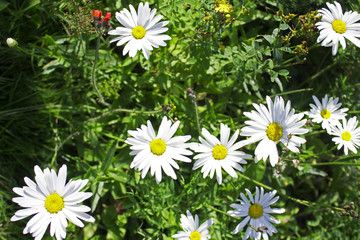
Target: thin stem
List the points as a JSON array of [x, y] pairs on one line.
[[300, 201], [197, 116], [331, 163], [93, 79], [322, 71], [26, 52], [291, 92], [348, 157], [217, 210], [123, 110]]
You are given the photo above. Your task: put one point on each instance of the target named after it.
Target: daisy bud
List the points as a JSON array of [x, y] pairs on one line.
[[11, 42]]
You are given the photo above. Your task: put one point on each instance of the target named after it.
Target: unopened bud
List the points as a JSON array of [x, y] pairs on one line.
[[11, 42]]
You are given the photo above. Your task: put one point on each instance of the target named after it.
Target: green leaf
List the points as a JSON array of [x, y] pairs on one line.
[[269, 38], [118, 176], [30, 4], [3, 5], [284, 26], [97, 195], [109, 156], [283, 72]]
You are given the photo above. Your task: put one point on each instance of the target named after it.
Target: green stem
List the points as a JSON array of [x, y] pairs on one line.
[[322, 71], [217, 210], [331, 163], [93, 79], [291, 92], [26, 52], [197, 116], [348, 157], [123, 110], [300, 201]]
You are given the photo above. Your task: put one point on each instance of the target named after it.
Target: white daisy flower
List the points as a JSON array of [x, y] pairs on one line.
[[215, 154], [141, 31], [327, 112], [158, 151], [335, 27], [192, 229], [347, 135], [52, 202], [257, 214], [276, 123]]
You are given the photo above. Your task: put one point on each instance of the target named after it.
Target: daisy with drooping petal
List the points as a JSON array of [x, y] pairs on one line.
[[335, 27], [52, 202], [192, 229], [141, 31], [215, 154], [257, 213], [276, 123], [347, 134], [327, 112], [156, 152]]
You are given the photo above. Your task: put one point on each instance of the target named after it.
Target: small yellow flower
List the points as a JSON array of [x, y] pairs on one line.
[[223, 6]]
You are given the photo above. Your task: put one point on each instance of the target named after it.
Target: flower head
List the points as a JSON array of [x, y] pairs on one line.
[[156, 152], [335, 27], [141, 31], [276, 123], [97, 15], [223, 6], [107, 17], [102, 24], [53, 202], [347, 134], [327, 112], [215, 154], [257, 214], [192, 229]]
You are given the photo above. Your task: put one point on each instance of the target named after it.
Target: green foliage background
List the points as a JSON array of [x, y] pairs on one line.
[[50, 115]]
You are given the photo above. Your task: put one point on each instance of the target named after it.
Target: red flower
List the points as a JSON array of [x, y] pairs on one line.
[[97, 14], [107, 17]]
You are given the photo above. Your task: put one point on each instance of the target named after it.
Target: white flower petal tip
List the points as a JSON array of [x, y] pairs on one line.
[[191, 228], [256, 212], [158, 153], [215, 155], [141, 30], [335, 27], [273, 124], [52, 202]]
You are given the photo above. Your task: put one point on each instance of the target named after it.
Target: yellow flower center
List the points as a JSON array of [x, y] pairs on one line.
[[219, 152], [325, 113], [195, 235], [138, 32], [274, 132], [255, 211], [339, 26], [346, 136], [157, 146], [54, 203]]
